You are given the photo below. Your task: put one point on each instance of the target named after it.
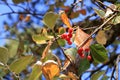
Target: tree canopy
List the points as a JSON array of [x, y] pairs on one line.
[[60, 40]]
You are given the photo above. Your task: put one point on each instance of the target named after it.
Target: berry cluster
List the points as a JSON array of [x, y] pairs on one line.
[[68, 36], [82, 53]]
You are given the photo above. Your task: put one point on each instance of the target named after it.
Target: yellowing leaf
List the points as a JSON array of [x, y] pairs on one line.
[[65, 19], [50, 69], [41, 39], [80, 37], [50, 19], [101, 37]]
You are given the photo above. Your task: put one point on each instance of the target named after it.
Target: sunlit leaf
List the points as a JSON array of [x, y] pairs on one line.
[[18, 1], [109, 11], [97, 75], [36, 71], [65, 19], [99, 53], [50, 69], [101, 37], [83, 66], [20, 64], [41, 39], [99, 12], [63, 76], [80, 37], [3, 55], [71, 52], [50, 19]]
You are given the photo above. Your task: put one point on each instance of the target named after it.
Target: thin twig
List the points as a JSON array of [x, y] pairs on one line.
[[114, 10], [16, 76], [9, 6], [97, 29], [55, 37], [112, 74], [117, 67], [111, 61]]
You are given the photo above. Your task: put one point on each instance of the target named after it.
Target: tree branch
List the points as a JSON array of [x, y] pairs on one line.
[[97, 29], [111, 61], [117, 63]]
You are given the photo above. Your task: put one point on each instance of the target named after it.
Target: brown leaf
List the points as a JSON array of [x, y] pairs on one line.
[[101, 37], [27, 18], [46, 50], [80, 37], [82, 11], [50, 69]]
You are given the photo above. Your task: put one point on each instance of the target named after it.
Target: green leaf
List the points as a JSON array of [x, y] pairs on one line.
[[61, 30], [3, 55], [105, 77], [97, 75], [36, 71], [99, 53], [18, 1], [116, 20], [50, 19], [41, 39], [20, 64], [71, 52], [100, 13], [12, 49], [83, 66]]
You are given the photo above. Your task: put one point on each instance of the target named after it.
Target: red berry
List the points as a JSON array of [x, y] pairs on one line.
[[67, 38], [89, 57], [87, 49], [82, 56], [70, 30], [64, 36], [80, 50], [70, 35], [69, 42]]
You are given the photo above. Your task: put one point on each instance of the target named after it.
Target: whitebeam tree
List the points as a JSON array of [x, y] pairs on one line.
[[47, 38]]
